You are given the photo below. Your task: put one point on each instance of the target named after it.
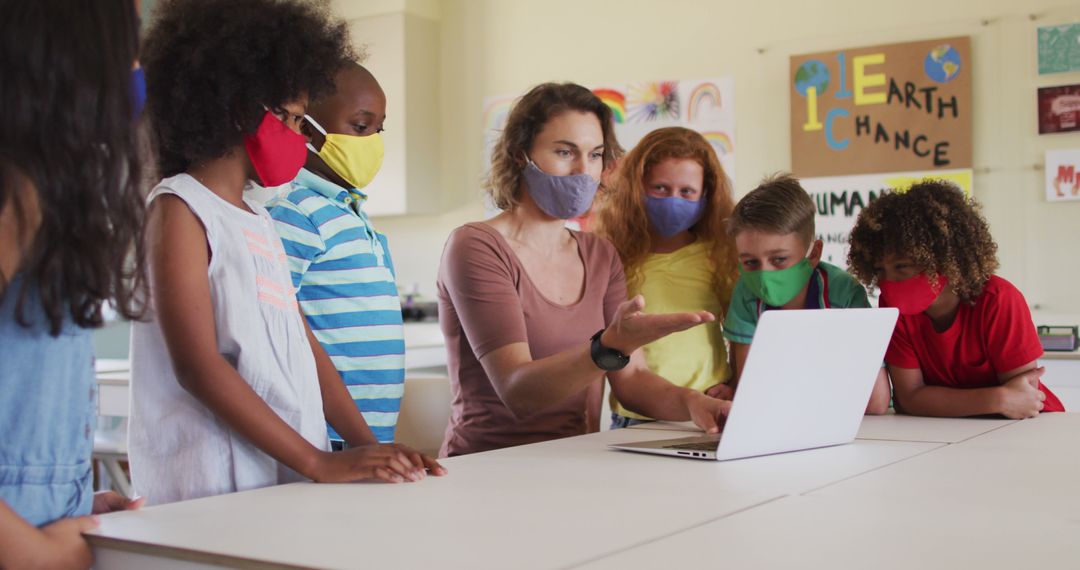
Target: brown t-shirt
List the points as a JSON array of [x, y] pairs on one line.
[[487, 301]]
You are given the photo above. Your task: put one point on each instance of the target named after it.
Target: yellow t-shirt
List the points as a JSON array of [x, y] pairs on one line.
[[677, 282]]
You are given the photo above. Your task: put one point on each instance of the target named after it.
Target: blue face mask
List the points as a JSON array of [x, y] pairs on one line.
[[673, 215], [562, 197], [138, 92]]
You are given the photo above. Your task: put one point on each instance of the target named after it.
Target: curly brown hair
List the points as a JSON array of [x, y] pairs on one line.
[[527, 118], [621, 217], [934, 225]]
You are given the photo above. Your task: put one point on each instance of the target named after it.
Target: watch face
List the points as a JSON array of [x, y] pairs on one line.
[[609, 361], [607, 358]]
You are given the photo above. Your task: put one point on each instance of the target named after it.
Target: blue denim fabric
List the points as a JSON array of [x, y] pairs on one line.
[[48, 411]]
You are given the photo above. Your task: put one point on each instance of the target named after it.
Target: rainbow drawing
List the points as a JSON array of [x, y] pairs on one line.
[[720, 141], [653, 101], [706, 93], [616, 101]]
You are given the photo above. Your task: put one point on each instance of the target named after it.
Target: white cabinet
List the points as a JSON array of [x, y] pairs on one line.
[[403, 53], [1063, 378]]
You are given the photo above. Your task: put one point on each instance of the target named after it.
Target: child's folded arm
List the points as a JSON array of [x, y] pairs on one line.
[[879, 397], [1015, 399], [940, 401]]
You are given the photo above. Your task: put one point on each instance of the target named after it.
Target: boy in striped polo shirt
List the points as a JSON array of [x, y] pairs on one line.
[[780, 267], [340, 265]]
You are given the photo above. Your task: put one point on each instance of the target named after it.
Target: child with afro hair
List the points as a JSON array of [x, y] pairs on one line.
[[965, 344], [229, 389]]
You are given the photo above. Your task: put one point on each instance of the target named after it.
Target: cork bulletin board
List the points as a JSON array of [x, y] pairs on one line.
[[889, 108]]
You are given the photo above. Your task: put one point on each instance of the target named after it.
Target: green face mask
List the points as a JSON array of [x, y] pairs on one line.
[[777, 288]]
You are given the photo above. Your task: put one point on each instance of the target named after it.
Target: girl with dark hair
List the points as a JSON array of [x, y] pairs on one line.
[[520, 295], [71, 217], [230, 390]]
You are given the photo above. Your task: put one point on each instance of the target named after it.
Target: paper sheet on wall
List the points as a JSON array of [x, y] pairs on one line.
[[1059, 48], [1063, 175], [1059, 109], [888, 108], [839, 200]]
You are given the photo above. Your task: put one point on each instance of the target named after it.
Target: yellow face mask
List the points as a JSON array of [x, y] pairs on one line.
[[355, 159]]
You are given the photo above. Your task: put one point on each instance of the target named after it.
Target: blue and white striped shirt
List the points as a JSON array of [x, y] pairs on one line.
[[346, 287]]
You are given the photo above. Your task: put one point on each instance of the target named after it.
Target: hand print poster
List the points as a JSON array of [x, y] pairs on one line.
[[1062, 175]]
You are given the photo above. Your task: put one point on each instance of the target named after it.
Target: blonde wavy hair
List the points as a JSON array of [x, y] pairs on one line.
[[622, 219]]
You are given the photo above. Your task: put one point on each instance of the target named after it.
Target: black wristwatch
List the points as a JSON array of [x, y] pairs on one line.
[[607, 358]]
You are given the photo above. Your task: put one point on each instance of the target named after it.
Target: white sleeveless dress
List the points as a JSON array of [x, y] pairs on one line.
[[178, 448]]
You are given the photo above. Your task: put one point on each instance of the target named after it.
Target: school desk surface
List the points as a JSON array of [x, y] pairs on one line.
[[550, 505], [1004, 499], [889, 427]]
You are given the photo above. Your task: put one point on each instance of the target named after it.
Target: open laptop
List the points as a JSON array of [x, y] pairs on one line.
[[806, 383]]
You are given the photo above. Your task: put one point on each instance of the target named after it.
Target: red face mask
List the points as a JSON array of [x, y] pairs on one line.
[[276, 152], [913, 295]]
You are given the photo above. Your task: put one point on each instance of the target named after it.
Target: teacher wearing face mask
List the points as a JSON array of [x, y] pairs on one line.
[[535, 314]]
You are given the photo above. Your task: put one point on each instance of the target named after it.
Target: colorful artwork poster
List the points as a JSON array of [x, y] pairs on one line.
[[889, 108], [839, 200], [1063, 175], [1059, 48], [638, 108], [1059, 109]]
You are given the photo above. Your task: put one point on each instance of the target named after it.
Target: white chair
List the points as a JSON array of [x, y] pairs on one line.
[[110, 448], [425, 412], [110, 438]]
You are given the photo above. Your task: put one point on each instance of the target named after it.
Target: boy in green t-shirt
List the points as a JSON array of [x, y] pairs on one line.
[[780, 267]]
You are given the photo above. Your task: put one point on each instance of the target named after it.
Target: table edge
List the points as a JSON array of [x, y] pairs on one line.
[[185, 554]]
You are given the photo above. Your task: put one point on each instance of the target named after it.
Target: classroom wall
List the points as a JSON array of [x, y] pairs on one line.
[[492, 47]]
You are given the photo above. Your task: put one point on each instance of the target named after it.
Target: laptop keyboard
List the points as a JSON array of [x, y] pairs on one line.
[[698, 446]]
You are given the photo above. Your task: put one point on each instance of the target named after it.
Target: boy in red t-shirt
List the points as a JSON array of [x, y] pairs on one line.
[[965, 344]]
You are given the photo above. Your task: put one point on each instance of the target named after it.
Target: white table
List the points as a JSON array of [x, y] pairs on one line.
[[888, 427], [1004, 499], [549, 505]]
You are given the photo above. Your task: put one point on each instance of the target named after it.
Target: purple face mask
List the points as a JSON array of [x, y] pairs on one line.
[[562, 197], [673, 215]]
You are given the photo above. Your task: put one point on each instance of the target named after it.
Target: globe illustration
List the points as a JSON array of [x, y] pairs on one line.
[[812, 73], [942, 64]]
